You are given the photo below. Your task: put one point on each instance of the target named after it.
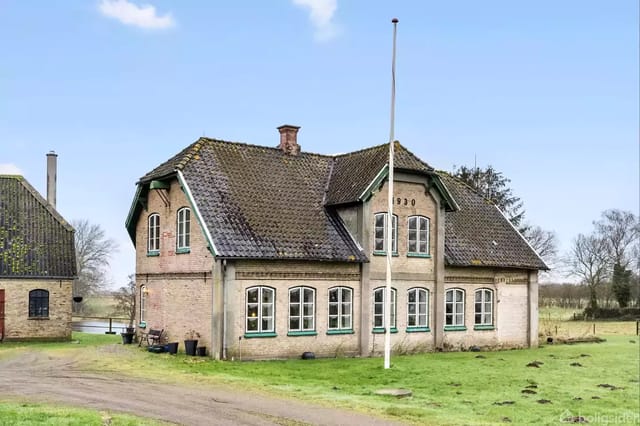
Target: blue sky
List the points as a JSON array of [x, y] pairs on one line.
[[545, 91]]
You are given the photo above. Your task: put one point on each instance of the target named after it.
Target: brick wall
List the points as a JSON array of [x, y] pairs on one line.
[[18, 325]]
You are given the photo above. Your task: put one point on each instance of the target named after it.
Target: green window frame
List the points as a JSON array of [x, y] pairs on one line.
[[380, 233], [340, 308], [183, 228], [418, 235], [260, 310], [302, 309]]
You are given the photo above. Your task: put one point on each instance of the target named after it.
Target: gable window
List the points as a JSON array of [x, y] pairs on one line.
[[483, 308], [418, 309], [380, 234], [184, 230], [153, 245], [379, 308], [340, 309], [260, 310], [418, 236], [302, 309], [38, 304], [454, 309], [143, 303]]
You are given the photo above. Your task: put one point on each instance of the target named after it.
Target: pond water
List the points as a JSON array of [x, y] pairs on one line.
[[97, 326]]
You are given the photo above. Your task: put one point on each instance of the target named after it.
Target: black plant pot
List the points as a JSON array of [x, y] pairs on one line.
[[127, 338], [130, 329], [190, 347], [172, 348], [201, 351]]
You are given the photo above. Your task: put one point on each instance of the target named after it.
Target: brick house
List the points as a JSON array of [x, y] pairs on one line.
[[270, 252], [37, 263]]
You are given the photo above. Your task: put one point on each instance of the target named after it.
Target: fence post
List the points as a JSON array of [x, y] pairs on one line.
[[594, 328], [637, 327], [110, 329]]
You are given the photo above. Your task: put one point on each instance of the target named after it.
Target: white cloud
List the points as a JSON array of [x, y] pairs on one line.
[[9, 169], [143, 16], [321, 16]]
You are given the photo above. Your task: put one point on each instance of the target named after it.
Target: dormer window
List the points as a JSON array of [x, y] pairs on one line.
[[380, 234], [153, 243], [183, 240]]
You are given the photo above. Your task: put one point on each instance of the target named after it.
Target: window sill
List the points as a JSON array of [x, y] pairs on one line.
[[259, 335], [380, 330], [484, 327], [302, 333], [142, 324], [423, 255], [384, 253], [418, 329], [455, 328], [345, 331], [39, 318], [183, 250], [153, 253]]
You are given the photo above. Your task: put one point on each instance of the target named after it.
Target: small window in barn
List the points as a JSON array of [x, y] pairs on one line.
[[302, 310], [260, 314], [153, 244], [38, 304], [379, 307], [484, 308], [454, 309], [418, 309], [340, 310], [380, 234], [184, 230], [418, 236]]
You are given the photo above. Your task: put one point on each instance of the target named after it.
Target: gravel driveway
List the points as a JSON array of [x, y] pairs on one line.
[[39, 377]]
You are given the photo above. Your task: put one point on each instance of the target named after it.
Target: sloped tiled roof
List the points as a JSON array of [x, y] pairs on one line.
[[35, 241], [353, 172], [478, 234]]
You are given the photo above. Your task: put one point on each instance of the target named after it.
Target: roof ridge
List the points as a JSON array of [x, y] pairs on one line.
[[359, 151], [252, 145]]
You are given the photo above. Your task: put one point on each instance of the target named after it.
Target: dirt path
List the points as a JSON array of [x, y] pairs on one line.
[[36, 376]]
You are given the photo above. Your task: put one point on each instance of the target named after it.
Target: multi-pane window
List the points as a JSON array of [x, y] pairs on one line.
[[154, 232], [454, 307], [302, 309], [143, 303], [379, 307], [260, 309], [380, 233], [340, 308], [418, 235], [484, 307], [418, 307], [38, 304], [184, 228]]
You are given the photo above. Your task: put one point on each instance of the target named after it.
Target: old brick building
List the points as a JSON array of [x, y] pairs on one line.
[[270, 252], [37, 263]]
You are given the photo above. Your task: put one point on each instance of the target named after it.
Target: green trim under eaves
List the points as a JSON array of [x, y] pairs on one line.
[[159, 184], [196, 211], [132, 210], [368, 192], [448, 198]]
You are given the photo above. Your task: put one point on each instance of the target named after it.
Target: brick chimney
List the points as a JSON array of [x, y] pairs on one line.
[[289, 139], [52, 177]]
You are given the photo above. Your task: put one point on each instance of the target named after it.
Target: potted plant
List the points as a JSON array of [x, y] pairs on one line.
[[191, 342], [126, 302]]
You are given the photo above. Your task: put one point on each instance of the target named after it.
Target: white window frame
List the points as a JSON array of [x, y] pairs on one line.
[[486, 306], [421, 230], [378, 318], [143, 303], [183, 228], [377, 228], [455, 318], [421, 318], [260, 306], [306, 309], [344, 319], [153, 232]]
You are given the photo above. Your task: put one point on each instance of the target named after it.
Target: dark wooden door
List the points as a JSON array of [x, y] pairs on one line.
[[1, 315]]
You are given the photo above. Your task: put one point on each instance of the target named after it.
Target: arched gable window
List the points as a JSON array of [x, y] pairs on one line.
[[153, 234], [380, 233], [418, 235], [183, 227], [38, 303]]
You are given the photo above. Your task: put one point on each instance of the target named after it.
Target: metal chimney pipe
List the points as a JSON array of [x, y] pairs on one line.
[[52, 177]]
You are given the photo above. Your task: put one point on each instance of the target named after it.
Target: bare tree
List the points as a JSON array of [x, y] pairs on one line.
[[544, 242], [126, 300], [588, 260], [93, 252]]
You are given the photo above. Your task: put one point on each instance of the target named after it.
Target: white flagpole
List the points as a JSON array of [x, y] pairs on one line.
[[389, 236]]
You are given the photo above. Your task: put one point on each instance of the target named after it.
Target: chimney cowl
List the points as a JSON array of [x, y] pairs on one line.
[[289, 139]]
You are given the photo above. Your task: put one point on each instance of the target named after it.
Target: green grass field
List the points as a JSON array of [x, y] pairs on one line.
[[599, 381]]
